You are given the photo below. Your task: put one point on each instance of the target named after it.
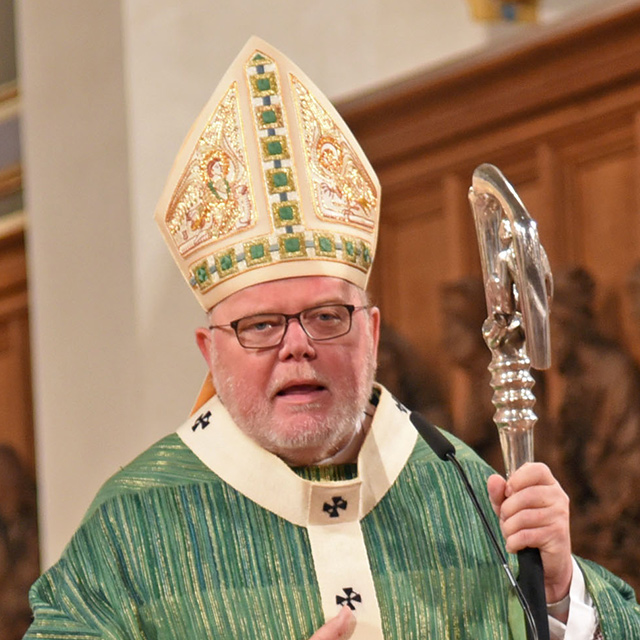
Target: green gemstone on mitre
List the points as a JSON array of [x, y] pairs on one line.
[[226, 262]]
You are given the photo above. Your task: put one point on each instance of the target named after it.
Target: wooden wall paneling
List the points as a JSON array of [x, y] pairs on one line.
[[15, 397], [16, 413], [602, 216], [631, 297], [499, 85], [420, 263], [384, 269], [13, 275], [636, 144], [462, 259], [408, 259], [518, 107], [409, 189], [460, 234], [417, 311], [407, 197], [549, 208], [605, 118]]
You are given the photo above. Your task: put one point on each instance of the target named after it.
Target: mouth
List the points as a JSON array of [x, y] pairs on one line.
[[303, 391], [300, 389]]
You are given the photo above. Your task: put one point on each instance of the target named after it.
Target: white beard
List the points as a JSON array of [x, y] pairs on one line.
[[324, 436]]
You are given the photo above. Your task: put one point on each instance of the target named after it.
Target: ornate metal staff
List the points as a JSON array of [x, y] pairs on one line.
[[518, 288]]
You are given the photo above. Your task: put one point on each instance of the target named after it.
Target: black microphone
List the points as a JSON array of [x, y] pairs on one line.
[[445, 450]]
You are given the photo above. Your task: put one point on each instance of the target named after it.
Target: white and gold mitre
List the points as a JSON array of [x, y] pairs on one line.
[[269, 184]]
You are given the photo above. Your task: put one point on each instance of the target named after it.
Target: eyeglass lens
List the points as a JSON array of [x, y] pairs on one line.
[[319, 323]]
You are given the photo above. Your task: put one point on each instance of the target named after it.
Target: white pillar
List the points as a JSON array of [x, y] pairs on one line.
[[82, 296]]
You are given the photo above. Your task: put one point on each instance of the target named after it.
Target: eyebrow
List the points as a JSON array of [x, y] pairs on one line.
[[321, 303]]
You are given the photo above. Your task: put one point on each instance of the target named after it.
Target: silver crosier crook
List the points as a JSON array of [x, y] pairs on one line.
[[518, 289]]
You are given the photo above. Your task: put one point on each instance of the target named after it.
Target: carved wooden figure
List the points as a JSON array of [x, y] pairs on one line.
[[598, 428]]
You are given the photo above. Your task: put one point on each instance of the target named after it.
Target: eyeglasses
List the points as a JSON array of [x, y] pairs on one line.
[[265, 330]]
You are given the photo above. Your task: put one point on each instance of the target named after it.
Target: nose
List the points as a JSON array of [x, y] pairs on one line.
[[296, 344]]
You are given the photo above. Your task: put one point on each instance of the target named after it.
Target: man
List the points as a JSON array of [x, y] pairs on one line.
[[297, 502]]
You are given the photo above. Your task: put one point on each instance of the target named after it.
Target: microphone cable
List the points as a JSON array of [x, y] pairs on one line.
[[445, 450]]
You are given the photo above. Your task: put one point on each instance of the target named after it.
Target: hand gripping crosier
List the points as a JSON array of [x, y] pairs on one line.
[[518, 288]]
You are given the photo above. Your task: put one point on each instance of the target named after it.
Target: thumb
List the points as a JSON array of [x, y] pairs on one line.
[[339, 628]]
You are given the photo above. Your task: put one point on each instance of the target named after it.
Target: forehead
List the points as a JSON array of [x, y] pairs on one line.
[[287, 296]]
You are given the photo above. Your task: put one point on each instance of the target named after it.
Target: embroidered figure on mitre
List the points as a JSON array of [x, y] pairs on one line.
[[342, 191], [230, 206], [341, 187], [213, 200]]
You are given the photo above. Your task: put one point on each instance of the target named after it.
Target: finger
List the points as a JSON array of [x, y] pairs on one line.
[[496, 486], [551, 543], [530, 474], [546, 529], [539, 523], [339, 628], [536, 497], [522, 539]]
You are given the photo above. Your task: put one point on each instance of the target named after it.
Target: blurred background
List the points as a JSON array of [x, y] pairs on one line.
[[97, 357]]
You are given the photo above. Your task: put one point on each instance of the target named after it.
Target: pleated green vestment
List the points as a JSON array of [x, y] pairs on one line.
[[171, 551]]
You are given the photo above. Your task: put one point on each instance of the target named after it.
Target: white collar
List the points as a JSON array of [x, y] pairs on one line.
[[267, 480]]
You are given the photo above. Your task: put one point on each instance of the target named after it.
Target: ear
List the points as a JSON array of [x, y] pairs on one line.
[[203, 340], [374, 318]]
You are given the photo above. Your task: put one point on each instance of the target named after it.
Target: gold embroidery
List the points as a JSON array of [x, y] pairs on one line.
[[226, 262], [280, 180], [274, 148], [257, 252], [264, 84], [201, 276], [349, 249], [342, 190], [213, 199], [325, 244], [269, 117], [286, 213], [292, 245]]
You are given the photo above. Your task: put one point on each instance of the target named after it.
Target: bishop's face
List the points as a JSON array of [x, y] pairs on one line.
[[303, 399]]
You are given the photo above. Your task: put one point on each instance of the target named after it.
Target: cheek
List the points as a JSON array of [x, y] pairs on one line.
[[255, 379], [351, 367], [231, 363], [252, 376]]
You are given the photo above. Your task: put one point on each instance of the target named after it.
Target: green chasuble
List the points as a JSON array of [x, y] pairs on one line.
[[206, 535]]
